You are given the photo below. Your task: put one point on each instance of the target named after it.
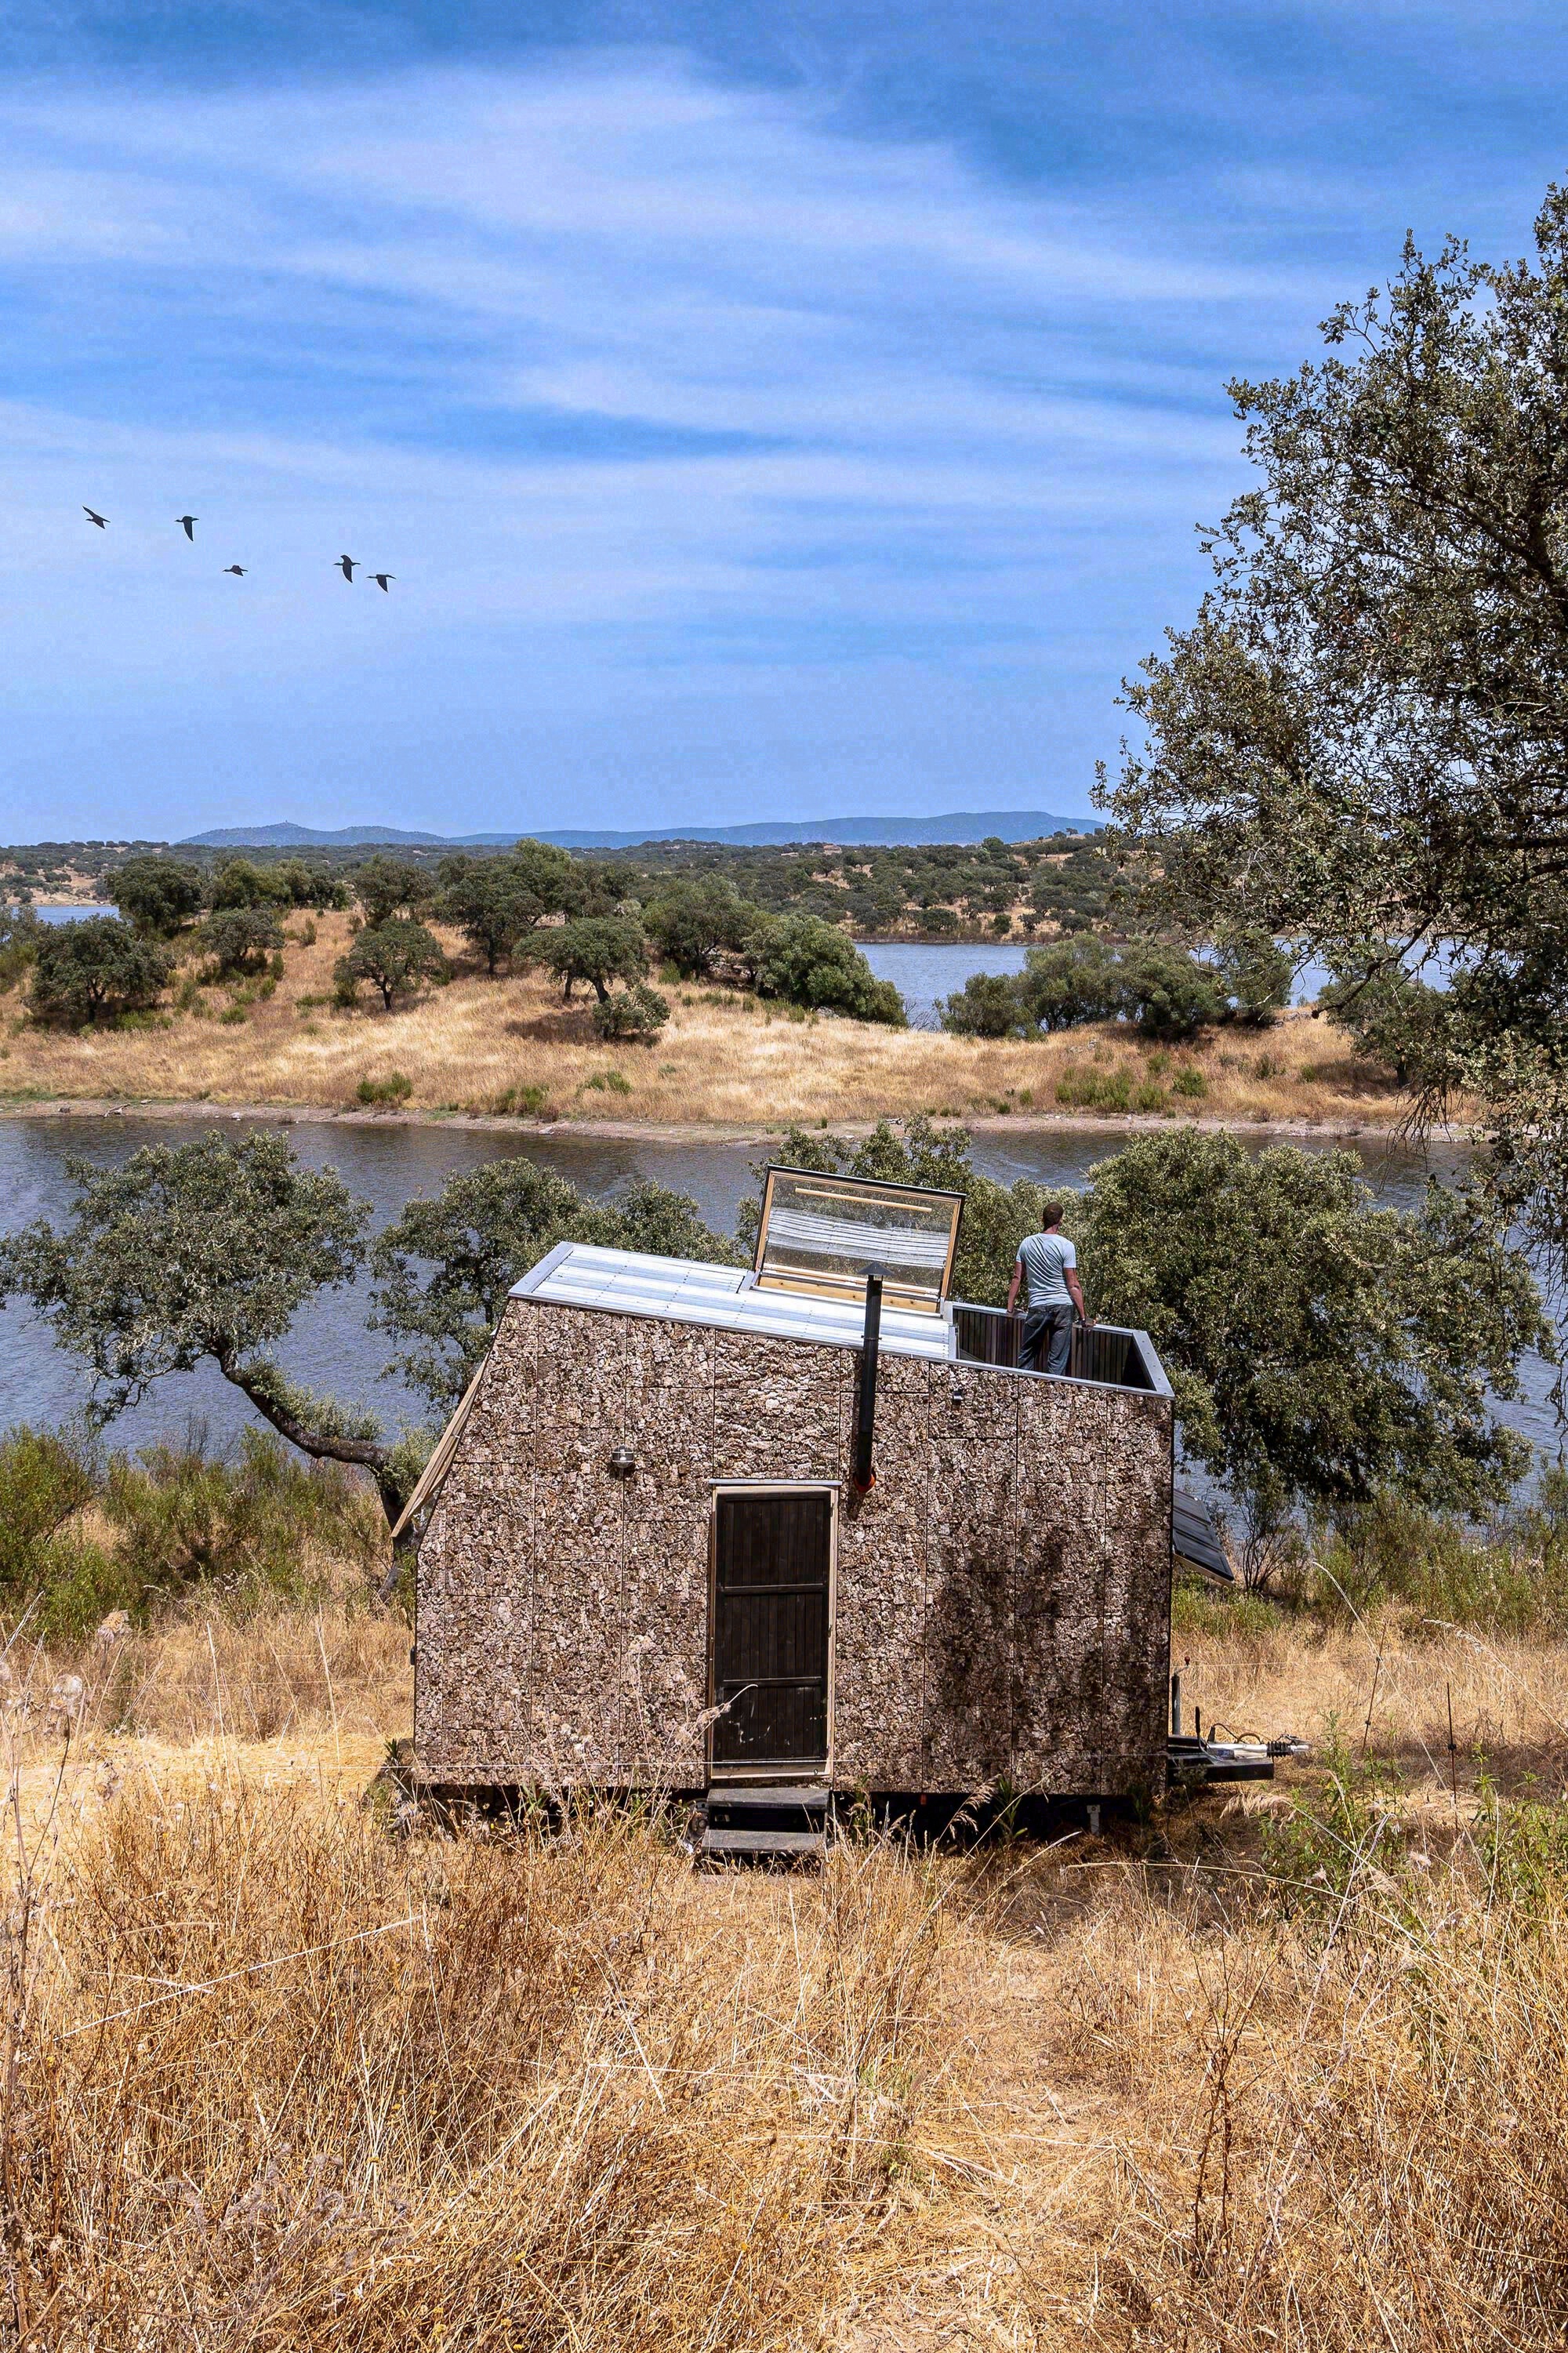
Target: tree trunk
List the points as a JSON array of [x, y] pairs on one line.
[[368, 1453], [600, 988]]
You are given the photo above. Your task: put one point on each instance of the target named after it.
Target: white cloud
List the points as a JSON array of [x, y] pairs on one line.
[[613, 367]]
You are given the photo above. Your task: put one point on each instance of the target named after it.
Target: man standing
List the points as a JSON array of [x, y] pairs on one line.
[[1048, 1262]]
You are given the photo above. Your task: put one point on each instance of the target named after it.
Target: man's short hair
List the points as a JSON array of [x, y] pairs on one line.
[[1051, 1215]]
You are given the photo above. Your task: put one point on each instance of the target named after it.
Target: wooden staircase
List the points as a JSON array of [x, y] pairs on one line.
[[766, 1821]]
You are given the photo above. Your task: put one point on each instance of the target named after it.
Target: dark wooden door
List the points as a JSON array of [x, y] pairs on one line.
[[772, 1556]]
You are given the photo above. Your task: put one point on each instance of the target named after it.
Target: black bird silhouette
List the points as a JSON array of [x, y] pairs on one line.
[[238, 570], [98, 519], [348, 566], [381, 579], [188, 521]]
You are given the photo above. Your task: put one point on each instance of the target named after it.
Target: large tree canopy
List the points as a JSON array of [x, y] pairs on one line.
[[1361, 742], [1323, 1351], [204, 1250], [445, 1266]]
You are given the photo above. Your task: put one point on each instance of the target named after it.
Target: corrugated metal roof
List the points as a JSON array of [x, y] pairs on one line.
[[685, 1290]]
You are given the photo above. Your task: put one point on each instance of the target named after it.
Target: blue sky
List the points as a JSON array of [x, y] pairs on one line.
[[765, 412]]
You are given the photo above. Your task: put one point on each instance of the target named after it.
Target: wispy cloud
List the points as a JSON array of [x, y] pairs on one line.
[[724, 456]]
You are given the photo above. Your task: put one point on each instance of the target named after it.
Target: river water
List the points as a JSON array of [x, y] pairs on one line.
[[330, 1346]]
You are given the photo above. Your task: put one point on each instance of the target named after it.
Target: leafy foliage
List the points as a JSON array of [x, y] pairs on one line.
[[444, 1268], [386, 887], [597, 949], [693, 923], [632, 1016], [989, 1005], [182, 1519], [20, 932], [205, 1249], [1360, 737], [808, 962], [498, 902], [1072, 981], [1323, 1350], [395, 954], [239, 939], [95, 968], [158, 895], [246, 882]]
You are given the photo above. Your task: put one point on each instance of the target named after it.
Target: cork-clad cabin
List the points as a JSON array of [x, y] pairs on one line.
[[803, 1523]]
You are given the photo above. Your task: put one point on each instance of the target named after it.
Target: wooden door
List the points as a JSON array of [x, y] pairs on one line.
[[772, 1560]]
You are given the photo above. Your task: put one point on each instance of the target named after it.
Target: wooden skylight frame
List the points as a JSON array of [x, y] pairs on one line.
[[810, 1242]]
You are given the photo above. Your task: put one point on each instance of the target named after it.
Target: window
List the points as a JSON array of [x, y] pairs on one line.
[[821, 1233]]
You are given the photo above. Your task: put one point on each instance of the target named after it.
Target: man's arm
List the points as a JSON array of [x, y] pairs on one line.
[[1013, 1286], [1075, 1289]]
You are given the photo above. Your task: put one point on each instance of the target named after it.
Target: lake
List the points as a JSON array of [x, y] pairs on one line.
[[330, 1346]]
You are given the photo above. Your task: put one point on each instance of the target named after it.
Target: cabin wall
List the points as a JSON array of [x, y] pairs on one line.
[[1001, 1595]]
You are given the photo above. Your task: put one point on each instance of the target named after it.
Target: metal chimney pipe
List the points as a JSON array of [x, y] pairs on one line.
[[862, 1474]]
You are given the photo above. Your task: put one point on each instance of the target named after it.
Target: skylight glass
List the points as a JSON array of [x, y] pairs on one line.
[[821, 1233]]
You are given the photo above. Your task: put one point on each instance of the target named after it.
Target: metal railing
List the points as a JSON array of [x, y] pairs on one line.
[[1105, 1352]]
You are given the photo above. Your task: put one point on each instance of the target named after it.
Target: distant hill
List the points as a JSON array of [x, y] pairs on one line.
[[959, 825]]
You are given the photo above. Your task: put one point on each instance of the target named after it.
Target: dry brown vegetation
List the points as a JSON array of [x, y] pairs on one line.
[[511, 1048], [1286, 2068]]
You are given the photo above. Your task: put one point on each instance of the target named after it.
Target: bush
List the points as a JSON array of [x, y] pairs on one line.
[[987, 1005], [1166, 992], [634, 1017], [396, 956], [396, 1087], [52, 1577], [97, 967], [183, 1519], [811, 962], [1071, 982], [239, 939], [20, 932]]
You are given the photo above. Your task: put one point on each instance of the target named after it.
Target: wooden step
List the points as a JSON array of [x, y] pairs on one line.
[[804, 1845], [740, 1797]]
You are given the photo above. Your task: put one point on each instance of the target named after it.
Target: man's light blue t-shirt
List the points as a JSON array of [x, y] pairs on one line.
[[1045, 1259]]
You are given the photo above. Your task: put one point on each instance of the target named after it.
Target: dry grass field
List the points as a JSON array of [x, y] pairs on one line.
[[509, 1047], [1285, 2068]]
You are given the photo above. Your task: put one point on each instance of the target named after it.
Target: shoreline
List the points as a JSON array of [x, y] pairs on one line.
[[624, 1131]]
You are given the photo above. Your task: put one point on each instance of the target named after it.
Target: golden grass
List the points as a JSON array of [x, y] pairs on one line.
[[512, 1046], [276, 2078]]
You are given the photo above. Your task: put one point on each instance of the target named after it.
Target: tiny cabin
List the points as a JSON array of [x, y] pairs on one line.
[[803, 1523]]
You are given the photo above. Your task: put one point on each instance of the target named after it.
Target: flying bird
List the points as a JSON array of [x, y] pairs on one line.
[[189, 524], [98, 519], [348, 566], [381, 579], [238, 570]]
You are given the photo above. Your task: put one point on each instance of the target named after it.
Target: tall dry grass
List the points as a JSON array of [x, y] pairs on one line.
[[510, 1046], [1287, 2068]]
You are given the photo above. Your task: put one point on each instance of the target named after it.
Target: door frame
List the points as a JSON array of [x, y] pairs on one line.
[[832, 1489]]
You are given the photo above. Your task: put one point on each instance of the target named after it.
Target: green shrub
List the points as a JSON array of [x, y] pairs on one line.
[[530, 1102], [396, 1087], [20, 931], [612, 1082], [1090, 1089], [1190, 1082], [987, 1005], [45, 1479], [632, 1017], [183, 1518]]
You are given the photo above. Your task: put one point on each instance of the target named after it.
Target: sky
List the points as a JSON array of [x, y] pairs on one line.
[[765, 411]]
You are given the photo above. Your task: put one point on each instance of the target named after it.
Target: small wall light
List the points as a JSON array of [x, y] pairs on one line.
[[623, 1463]]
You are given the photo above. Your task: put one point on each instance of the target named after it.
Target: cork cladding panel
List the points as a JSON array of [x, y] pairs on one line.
[[472, 1688], [878, 1645], [1001, 1597], [669, 1428], [971, 1540]]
